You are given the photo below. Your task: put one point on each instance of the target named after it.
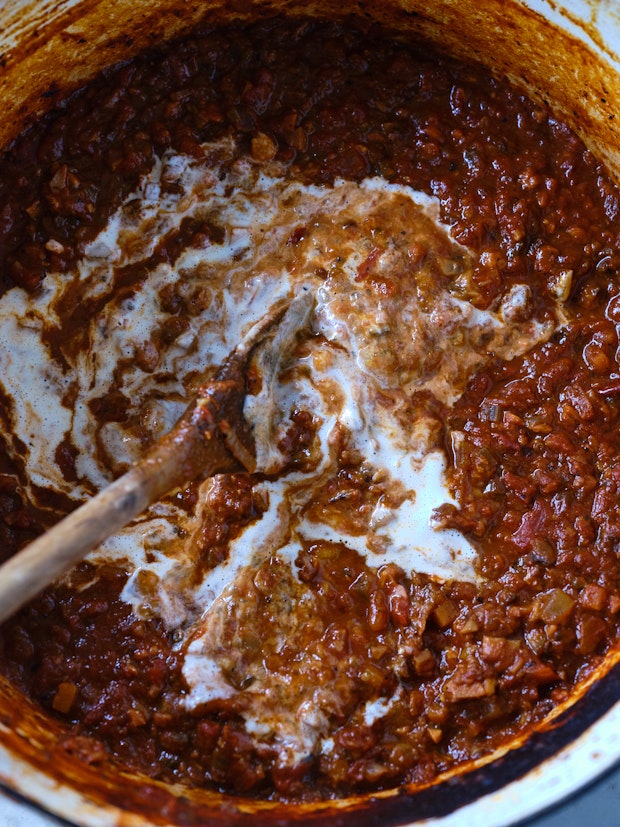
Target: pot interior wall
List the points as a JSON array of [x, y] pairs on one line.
[[50, 47]]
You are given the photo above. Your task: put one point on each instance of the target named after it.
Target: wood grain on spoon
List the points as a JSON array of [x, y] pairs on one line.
[[210, 437]]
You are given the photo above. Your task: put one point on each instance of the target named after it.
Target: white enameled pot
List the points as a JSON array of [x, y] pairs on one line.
[[565, 53]]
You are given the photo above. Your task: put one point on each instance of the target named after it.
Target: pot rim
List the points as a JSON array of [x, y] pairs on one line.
[[592, 753], [568, 772]]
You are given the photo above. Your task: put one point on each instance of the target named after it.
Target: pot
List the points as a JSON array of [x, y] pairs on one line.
[[566, 55]]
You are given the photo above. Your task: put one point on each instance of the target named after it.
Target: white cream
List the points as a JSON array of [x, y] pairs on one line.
[[35, 383]]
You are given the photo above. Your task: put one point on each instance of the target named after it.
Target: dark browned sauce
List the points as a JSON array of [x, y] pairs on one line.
[[418, 674]]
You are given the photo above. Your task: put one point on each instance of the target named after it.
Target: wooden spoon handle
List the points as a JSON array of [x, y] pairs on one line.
[[193, 447], [210, 437], [45, 559], [50, 555]]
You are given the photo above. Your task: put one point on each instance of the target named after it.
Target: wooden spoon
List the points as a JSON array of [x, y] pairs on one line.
[[211, 437]]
